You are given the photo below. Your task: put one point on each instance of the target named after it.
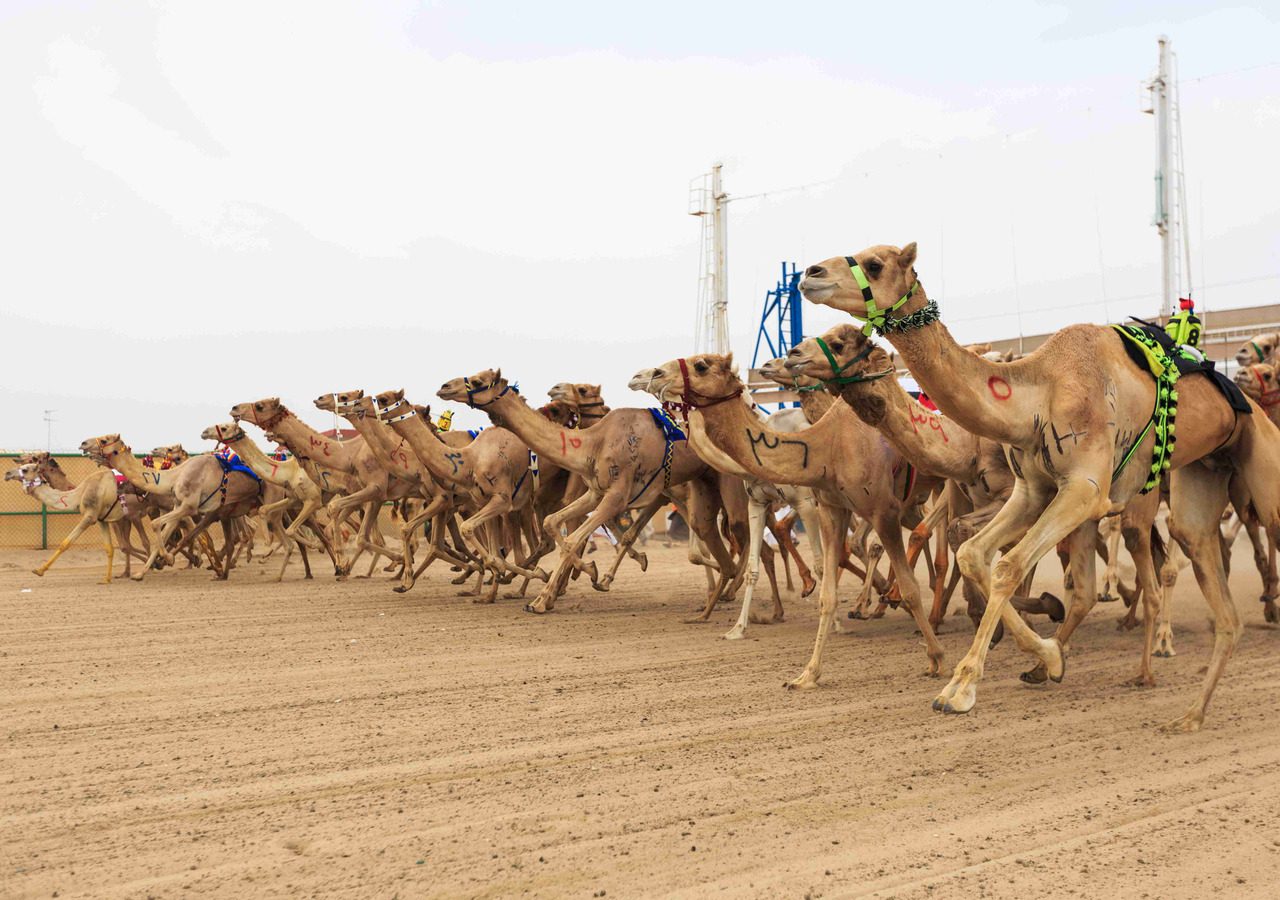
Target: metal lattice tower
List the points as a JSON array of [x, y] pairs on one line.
[[1171, 194], [781, 321]]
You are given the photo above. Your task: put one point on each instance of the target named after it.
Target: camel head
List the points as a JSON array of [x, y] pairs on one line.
[[776, 370], [104, 448], [848, 347], [581, 396], [704, 380], [26, 472], [480, 389], [562, 412], [339, 402], [174, 453], [1259, 349], [227, 431], [888, 278], [1258, 382], [266, 410], [392, 405]]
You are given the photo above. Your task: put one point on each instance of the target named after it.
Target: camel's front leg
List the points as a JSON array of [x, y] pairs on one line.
[[1075, 502], [890, 534], [611, 503], [107, 545], [703, 513], [628, 538], [756, 511], [835, 522]]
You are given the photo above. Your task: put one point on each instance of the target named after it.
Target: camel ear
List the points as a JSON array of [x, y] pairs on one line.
[[728, 361], [907, 256], [497, 373], [597, 387]]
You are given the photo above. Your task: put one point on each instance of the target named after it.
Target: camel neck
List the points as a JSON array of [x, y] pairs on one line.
[[386, 445], [932, 443], [800, 457], [56, 498], [252, 456], [307, 443], [153, 481], [981, 396], [572, 448], [56, 478], [814, 404], [442, 461]]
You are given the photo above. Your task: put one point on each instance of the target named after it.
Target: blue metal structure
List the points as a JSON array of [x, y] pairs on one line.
[[781, 326]]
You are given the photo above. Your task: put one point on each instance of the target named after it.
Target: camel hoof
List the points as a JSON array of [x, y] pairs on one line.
[[537, 608], [1271, 612], [643, 559], [402, 588], [1037, 675], [1140, 681], [735, 634], [803, 683], [809, 588], [1124, 623], [38, 573], [1184, 724], [1106, 597], [1061, 666], [939, 704]]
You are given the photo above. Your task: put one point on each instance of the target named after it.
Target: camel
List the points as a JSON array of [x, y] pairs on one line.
[[285, 474], [132, 502], [850, 467], [864, 378], [1261, 348], [202, 484], [494, 469], [96, 498], [761, 496], [1073, 414], [348, 470], [628, 463]]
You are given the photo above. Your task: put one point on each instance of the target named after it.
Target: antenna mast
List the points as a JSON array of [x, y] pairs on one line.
[[709, 202], [1171, 202]]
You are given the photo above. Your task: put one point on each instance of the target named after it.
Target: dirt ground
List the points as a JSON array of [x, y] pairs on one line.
[[183, 737]]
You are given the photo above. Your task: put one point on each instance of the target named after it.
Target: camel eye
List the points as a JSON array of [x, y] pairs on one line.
[[700, 367], [258, 407], [874, 268], [838, 347]]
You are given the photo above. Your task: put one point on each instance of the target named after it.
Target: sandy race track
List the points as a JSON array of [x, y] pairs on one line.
[[184, 737]]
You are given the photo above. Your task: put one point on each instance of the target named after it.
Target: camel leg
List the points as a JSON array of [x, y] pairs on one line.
[[1037, 528], [1137, 539], [835, 522], [1173, 561], [629, 537], [756, 511], [109, 547], [808, 512], [1082, 560], [703, 513], [862, 602], [62, 548], [890, 534], [1197, 497], [610, 504]]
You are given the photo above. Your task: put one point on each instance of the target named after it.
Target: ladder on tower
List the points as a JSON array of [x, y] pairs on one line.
[[781, 328]]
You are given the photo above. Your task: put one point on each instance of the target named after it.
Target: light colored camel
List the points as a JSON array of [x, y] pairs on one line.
[[1261, 348], [95, 498], [850, 467], [1072, 413], [200, 485], [349, 470], [494, 469], [761, 497], [627, 464], [300, 491]]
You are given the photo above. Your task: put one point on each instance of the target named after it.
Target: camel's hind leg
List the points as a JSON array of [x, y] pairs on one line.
[[1037, 528], [890, 534], [756, 511], [107, 545], [1197, 497], [62, 548]]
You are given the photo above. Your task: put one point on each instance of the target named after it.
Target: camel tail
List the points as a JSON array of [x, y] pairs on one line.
[[1258, 462]]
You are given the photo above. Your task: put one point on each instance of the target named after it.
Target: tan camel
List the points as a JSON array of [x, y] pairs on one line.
[[1072, 414], [1261, 348], [495, 469], [200, 485], [286, 474], [850, 467], [863, 376], [348, 470], [627, 463], [95, 498], [866, 380]]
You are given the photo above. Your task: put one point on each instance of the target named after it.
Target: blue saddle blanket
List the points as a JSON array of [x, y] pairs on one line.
[[230, 462], [670, 430]]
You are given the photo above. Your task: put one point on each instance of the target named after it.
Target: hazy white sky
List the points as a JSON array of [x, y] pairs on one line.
[[205, 203]]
